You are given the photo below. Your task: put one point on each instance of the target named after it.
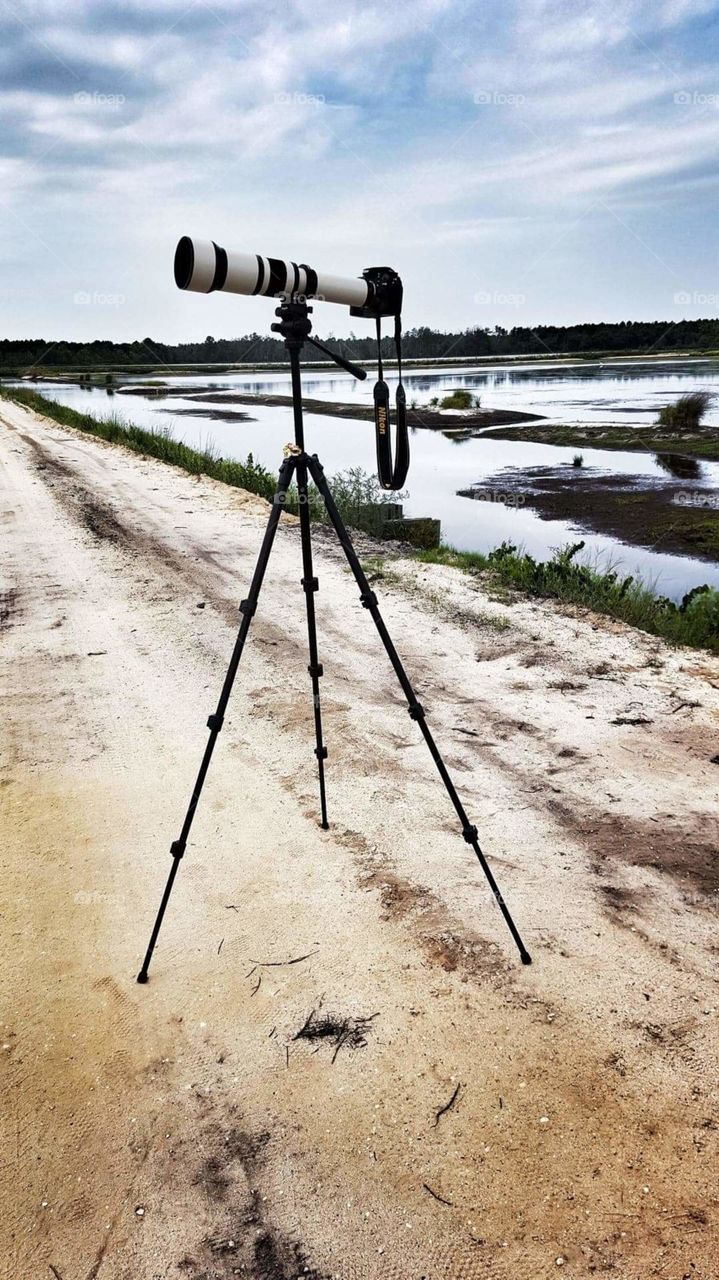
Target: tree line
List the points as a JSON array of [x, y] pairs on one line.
[[632, 336]]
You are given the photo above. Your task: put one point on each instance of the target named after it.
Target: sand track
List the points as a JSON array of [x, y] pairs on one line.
[[180, 1130]]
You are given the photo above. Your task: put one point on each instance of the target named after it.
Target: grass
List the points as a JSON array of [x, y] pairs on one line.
[[686, 414], [578, 460], [693, 622], [351, 489]]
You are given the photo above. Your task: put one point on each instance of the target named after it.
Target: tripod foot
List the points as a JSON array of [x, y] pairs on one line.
[[143, 976], [525, 957], [325, 826]]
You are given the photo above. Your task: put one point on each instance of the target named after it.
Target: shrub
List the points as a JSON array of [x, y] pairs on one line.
[[686, 414], [460, 400]]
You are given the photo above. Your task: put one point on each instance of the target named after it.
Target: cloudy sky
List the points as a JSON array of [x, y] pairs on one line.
[[518, 161]]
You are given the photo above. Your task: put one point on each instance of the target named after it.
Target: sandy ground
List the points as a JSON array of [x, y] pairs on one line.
[[179, 1129]]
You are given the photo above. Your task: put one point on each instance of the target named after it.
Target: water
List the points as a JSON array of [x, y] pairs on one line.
[[611, 392]]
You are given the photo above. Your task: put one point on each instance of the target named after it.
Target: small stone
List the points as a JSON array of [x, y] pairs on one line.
[[559, 1261], [544, 1119], [139, 1211]]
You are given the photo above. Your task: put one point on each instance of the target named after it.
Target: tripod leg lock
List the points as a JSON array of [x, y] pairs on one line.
[[248, 607], [470, 834], [310, 584], [316, 671], [215, 723], [416, 711], [321, 753], [369, 600], [177, 848]]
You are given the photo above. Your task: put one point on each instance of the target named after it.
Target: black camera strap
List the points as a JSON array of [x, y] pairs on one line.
[[390, 476]]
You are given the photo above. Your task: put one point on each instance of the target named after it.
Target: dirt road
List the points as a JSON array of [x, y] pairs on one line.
[[182, 1129]]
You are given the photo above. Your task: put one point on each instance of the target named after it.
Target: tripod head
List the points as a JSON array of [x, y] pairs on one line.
[[295, 327]]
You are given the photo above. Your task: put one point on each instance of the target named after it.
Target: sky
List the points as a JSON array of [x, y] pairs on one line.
[[519, 162]]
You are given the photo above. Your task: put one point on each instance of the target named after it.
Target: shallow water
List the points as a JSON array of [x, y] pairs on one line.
[[607, 392]]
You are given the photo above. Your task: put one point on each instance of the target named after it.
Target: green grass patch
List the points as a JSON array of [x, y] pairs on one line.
[[693, 622]]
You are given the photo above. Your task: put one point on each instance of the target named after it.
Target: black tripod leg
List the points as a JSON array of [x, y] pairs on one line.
[[214, 723], [416, 710], [310, 584]]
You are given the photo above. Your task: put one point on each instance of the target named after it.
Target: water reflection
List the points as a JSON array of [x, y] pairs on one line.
[[678, 464]]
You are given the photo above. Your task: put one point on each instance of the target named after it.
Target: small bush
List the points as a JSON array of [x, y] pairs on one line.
[[460, 400], [578, 460], [686, 414]]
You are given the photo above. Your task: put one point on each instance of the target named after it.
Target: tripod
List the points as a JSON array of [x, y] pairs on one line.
[[295, 327]]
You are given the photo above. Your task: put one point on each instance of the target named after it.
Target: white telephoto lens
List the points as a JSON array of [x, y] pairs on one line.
[[202, 266]]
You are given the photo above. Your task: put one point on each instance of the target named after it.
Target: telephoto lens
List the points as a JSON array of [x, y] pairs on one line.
[[203, 266]]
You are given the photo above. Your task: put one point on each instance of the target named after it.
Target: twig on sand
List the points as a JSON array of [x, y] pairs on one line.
[[272, 964], [220, 946], [435, 1196], [230, 906], [632, 720], [447, 1106], [55, 1271], [278, 964]]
